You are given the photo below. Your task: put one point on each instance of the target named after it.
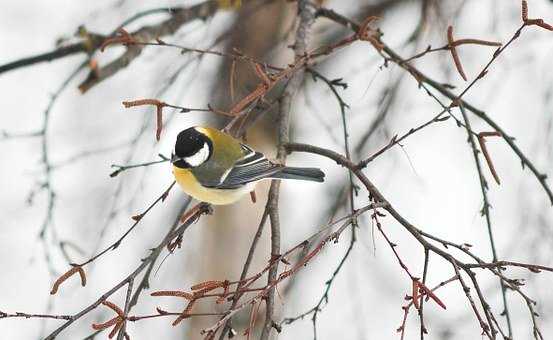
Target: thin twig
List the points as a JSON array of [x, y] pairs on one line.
[[144, 263], [456, 99], [486, 212]]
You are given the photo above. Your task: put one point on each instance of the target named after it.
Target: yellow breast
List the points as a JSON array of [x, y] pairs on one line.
[[186, 180]]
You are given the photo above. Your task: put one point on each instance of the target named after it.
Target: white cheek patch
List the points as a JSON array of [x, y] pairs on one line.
[[199, 157]]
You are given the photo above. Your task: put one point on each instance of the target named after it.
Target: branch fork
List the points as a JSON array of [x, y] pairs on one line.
[[117, 322]]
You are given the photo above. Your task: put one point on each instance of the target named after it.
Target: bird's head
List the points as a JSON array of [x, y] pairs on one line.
[[192, 149]]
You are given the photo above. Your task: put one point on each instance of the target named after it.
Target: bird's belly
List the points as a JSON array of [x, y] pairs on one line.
[[188, 183]]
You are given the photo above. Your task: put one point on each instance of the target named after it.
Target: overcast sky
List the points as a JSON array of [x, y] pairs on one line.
[[432, 180]]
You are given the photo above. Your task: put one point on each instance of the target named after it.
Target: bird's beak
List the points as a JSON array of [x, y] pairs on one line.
[[174, 158]]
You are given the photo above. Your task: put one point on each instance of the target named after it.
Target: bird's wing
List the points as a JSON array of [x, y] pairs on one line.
[[251, 167]]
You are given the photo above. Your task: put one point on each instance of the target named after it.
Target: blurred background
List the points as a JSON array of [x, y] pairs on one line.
[[70, 209]]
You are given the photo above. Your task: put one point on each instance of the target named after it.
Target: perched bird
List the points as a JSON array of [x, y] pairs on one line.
[[216, 168]]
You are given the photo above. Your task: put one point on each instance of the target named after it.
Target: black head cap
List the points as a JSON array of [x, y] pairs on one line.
[[189, 143]]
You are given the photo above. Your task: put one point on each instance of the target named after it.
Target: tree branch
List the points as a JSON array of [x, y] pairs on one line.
[[306, 14], [456, 99]]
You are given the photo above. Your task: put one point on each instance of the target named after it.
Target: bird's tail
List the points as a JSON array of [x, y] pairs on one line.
[[306, 174]]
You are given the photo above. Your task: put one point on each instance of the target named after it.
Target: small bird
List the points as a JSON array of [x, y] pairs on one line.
[[214, 167]]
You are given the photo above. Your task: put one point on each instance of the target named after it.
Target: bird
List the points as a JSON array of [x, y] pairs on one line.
[[214, 167]]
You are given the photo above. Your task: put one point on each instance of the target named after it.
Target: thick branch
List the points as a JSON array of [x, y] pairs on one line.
[[306, 13], [423, 239], [61, 52]]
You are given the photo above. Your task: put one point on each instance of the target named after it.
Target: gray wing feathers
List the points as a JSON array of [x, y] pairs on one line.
[[254, 166]]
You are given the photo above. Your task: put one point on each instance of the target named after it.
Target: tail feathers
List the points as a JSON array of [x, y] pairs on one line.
[[306, 174]]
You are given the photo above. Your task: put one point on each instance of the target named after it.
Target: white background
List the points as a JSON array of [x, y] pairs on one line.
[[432, 182]]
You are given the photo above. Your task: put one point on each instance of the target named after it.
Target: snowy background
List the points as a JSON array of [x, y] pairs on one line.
[[432, 181]]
